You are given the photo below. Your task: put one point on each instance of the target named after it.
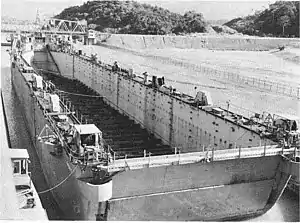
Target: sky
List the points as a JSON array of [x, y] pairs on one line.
[[212, 10]]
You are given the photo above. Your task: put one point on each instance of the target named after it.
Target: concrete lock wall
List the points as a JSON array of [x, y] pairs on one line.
[[186, 42], [181, 126]]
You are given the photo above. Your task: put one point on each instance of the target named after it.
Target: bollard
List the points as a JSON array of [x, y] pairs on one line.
[[240, 150]]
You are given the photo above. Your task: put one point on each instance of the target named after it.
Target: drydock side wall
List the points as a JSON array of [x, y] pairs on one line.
[[170, 119], [186, 42], [59, 172]]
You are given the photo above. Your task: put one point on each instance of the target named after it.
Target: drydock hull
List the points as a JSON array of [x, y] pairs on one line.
[[223, 190]]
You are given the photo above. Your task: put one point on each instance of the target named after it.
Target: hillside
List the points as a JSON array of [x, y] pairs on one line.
[[134, 18], [281, 19]]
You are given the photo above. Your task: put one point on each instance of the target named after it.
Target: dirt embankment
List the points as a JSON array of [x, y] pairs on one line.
[[214, 42]]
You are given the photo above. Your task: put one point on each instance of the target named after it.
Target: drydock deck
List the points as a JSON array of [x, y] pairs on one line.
[[124, 136]]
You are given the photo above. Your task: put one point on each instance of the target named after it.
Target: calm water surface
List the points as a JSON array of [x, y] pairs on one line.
[[286, 209]]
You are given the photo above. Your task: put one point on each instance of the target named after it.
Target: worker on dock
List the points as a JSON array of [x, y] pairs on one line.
[[50, 87], [115, 67], [94, 57], [145, 74]]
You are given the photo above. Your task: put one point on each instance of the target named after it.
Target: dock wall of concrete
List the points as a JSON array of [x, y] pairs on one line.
[[249, 43]]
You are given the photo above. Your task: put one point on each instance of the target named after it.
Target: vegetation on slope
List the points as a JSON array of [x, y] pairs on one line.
[[280, 19], [134, 18]]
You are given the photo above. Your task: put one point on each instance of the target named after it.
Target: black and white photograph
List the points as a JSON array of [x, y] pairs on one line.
[[150, 110]]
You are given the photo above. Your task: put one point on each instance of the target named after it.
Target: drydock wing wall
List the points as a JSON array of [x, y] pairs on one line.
[[56, 169], [43, 60], [170, 119], [186, 42]]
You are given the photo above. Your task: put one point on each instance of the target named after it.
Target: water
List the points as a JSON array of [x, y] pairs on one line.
[[286, 209]]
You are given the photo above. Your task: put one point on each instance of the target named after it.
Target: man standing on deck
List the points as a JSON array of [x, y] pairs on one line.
[[115, 67]]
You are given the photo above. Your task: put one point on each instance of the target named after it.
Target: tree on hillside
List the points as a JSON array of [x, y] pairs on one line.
[[281, 18], [284, 21], [194, 21]]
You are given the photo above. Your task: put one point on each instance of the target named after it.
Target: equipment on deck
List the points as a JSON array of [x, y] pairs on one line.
[[54, 101], [203, 98], [37, 81]]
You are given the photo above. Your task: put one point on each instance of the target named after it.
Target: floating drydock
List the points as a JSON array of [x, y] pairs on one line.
[[120, 147]]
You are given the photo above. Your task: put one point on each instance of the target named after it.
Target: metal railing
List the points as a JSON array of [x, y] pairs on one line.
[[206, 156]]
